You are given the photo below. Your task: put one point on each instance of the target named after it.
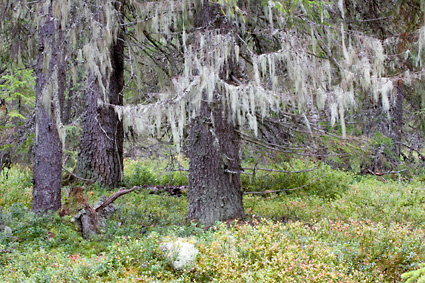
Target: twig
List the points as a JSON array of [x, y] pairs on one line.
[[267, 144], [103, 130], [285, 190], [414, 149], [256, 169], [284, 149], [237, 172], [112, 198], [383, 173], [280, 171], [394, 172]]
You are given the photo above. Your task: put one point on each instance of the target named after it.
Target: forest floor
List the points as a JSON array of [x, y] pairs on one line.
[[340, 228]]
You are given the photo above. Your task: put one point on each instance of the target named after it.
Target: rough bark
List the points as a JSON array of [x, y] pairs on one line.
[[101, 144], [48, 147], [398, 120], [214, 190]]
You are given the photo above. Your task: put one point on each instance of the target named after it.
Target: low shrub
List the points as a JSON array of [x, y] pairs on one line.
[[369, 231], [324, 182], [16, 187], [267, 252], [369, 199], [373, 248], [137, 173], [149, 172]]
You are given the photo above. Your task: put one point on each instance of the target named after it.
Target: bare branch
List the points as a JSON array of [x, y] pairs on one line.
[[286, 190], [111, 199], [280, 171]]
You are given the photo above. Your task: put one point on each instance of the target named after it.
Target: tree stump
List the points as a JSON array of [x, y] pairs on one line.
[[91, 219]]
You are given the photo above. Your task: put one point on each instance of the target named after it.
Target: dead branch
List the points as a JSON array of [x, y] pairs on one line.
[[172, 190], [369, 171], [421, 157], [280, 171], [257, 169], [111, 199], [284, 149], [286, 190]]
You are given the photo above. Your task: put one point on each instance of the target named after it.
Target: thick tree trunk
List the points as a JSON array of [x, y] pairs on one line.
[[214, 192], [48, 147], [101, 144]]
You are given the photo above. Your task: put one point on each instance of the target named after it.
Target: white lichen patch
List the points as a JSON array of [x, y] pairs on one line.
[[386, 93], [181, 252], [421, 45]]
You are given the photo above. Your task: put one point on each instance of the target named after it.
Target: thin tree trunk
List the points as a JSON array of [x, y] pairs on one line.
[[48, 147], [101, 144], [398, 120]]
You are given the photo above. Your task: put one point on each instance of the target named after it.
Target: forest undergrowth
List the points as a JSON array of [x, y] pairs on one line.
[[340, 228]]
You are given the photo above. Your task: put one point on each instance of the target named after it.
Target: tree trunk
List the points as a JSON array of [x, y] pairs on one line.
[[101, 146], [48, 147], [398, 120], [214, 189], [214, 192]]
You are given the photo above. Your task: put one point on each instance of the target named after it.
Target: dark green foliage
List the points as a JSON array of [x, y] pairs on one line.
[[28, 230], [17, 100], [18, 95]]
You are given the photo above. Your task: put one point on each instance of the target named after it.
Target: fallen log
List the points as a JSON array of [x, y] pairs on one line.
[[172, 190]]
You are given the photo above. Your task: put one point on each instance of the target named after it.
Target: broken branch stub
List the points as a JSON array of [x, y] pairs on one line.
[[91, 219]]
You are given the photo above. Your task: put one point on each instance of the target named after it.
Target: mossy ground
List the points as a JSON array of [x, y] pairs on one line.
[[363, 229]]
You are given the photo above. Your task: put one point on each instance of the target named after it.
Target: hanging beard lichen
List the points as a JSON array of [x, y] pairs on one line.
[[289, 74]]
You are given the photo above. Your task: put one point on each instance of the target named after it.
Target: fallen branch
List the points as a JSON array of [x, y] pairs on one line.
[[260, 169], [111, 199], [369, 171], [286, 190], [172, 190], [280, 171]]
